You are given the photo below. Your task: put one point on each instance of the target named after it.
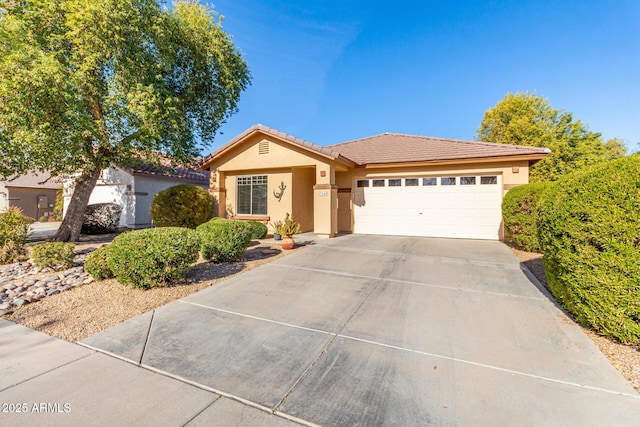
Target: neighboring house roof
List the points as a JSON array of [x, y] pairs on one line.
[[324, 151], [34, 180], [400, 148], [167, 171]]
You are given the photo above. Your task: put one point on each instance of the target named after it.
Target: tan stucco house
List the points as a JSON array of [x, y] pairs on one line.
[[392, 184], [33, 192]]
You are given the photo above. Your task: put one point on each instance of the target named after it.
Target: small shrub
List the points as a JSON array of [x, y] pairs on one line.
[[589, 231], [97, 264], [101, 218], [520, 213], [183, 205], [153, 256], [289, 226], [258, 230], [54, 255], [224, 240], [14, 227]]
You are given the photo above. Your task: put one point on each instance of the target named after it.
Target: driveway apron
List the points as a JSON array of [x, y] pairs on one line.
[[380, 330]]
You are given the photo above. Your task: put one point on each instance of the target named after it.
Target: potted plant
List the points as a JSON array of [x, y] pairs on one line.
[[277, 229], [288, 229]]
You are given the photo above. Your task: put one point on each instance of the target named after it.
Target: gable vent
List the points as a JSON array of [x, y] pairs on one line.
[[263, 147]]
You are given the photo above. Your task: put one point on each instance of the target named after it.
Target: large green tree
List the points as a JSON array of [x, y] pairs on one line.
[[528, 119], [88, 84]]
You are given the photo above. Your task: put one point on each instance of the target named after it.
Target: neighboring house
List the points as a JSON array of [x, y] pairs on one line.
[[391, 184], [134, 188], [30, 193]]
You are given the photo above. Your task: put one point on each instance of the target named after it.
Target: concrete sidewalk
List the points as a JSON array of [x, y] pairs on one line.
[[45, 381]]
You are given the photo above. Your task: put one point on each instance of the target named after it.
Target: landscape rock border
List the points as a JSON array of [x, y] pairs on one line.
[[22, 282]]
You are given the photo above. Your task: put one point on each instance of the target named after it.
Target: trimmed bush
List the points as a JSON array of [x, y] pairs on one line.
[[153, 256], [14, 227], [97, 264], [183, 205], [258, 230], [224, 240], [589, 230], [520, 213], [101, 218], [54, 255]]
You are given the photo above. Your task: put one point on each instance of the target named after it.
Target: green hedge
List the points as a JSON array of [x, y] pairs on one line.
[[54, 255], [14, 227], [258, 230], [153, 256], [589, 230], [97, 264], [520, 208], [183, 205], [224, 240]]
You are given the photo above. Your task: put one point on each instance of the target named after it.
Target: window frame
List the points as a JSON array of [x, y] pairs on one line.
[[464, 179], [442, 182], [494, 178], [251, 184], [429, 181]]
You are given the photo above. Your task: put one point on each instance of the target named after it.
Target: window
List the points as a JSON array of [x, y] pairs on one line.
[[488, 180], [395, 183], [378, 182], [411, 182], [426, 182], [363, 183], [448, 180], [467, 180], [252, 195]]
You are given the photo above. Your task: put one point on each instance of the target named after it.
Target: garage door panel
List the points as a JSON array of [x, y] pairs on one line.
[[463, 211]]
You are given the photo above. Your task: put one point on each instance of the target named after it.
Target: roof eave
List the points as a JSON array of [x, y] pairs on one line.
[[317, 150], [534, 157]]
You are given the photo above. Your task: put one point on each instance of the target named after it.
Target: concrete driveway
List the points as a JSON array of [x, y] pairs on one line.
[[377, 330]]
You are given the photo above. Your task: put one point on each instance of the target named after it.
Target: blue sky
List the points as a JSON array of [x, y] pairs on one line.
[[333, 71]]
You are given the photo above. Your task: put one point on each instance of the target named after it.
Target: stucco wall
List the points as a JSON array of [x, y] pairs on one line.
[[513, 173], [4, 198], [265, 152], [295, 167], [276, 209], [27, 200], [302, 209], [114, 186]]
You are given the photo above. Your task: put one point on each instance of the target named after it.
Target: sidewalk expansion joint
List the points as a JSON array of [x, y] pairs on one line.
[[146, 340], [408, 282], [46, 372]]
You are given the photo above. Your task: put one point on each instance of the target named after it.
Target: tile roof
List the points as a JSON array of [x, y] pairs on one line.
[[270, 131], [180, 172], [401, 148], [34, 180]]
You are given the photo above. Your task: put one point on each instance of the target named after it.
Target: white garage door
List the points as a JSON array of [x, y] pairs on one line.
[[440, 206]]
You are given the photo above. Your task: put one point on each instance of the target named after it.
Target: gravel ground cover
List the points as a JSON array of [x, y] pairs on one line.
[[84, 310]]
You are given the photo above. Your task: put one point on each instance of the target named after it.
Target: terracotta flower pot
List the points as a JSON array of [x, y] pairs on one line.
[[287, 242]]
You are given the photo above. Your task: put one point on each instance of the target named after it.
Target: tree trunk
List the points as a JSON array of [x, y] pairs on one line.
[[69, 230]]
